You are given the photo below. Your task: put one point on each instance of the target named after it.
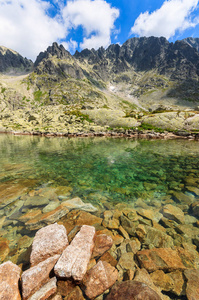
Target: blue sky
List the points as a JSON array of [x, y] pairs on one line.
[[30, 26]]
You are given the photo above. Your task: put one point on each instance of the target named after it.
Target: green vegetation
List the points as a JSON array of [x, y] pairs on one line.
[[3, 90], [37, 96], [145, 126], [83, 117]]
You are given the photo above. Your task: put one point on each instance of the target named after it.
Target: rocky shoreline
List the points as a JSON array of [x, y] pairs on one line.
[[121, 133], [120, 253]]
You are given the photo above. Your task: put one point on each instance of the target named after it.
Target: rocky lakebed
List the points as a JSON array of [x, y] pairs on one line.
[[129, 231]]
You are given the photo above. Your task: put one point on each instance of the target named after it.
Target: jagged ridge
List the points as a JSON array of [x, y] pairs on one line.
[[11, 61]]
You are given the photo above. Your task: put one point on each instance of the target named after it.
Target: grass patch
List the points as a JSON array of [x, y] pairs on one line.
[[3, 90], [37, 96], [146, 126], [83, 117]]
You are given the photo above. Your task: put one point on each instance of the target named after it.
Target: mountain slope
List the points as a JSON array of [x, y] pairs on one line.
[[118, 87]]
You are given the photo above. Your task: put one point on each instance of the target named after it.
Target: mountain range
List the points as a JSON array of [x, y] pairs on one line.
[[144, 83]]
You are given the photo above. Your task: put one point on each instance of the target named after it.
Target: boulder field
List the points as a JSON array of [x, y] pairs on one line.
[[95, 262]]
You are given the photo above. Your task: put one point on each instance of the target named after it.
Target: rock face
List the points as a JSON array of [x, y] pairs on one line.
[[11, 61], [193, 42], [132, 290], [162, 55], [34, 278], [9, 281], [75, 258], [62, 67], [48, 241], [100, 278]]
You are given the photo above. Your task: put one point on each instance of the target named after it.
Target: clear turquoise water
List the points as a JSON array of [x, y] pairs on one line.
[[117, 169], [102, 171]]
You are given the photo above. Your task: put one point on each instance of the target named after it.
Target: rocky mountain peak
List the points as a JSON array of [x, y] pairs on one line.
[[55, 50], [12, 62], [193, 42]]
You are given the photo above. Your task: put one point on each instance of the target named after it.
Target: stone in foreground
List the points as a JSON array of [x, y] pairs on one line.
[[48, 241], [132, 290], [75, 258], [103, 243], [34, 278], [100, 278], [164, 259], [9, 279], [46, 291]]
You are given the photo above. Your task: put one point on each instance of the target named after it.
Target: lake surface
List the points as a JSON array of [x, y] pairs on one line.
[[38, 171]]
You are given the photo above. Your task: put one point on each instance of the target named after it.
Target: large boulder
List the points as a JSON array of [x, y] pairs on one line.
[[34, 278], [48, 241], [98, 279], [9, 281], [75, 258]]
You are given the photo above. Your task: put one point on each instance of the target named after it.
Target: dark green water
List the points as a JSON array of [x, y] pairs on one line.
[[117, 169]]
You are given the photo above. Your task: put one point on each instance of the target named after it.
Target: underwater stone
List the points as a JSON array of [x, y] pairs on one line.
[[164, 259], [173, 213]]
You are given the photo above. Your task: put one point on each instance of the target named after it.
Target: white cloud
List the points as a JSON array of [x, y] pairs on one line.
[[70, 45], [28, 27], [97, 19], [174, 15]]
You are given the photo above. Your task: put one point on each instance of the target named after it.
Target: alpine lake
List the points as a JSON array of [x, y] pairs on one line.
[[38, 175]]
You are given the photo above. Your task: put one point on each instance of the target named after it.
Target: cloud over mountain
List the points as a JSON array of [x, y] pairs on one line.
[[173, 15], [30, 26]]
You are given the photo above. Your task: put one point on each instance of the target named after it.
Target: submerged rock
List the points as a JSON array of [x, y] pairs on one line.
[[77, 203], [75, 258], [46, 218], [192, 289], [164, 259], [4, 249], [9, 281], [48, 241], [173, 213]]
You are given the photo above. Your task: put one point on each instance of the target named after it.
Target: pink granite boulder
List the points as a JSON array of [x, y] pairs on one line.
[[34, 278], [48, 241], [9, 281], [75, 258], [100, 278]]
